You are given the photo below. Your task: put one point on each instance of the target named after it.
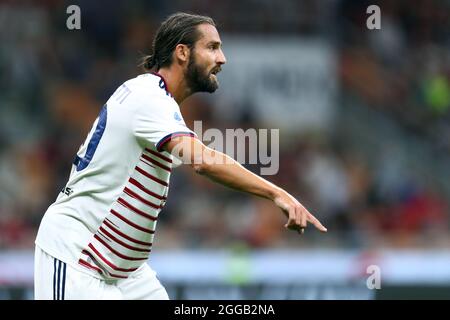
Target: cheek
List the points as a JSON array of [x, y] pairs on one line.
[[208, 59], [206, 67]]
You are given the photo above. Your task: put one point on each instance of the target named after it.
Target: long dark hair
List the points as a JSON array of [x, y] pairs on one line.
[[179, 28]]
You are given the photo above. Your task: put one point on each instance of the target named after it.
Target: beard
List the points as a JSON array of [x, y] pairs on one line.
[[199, 79]]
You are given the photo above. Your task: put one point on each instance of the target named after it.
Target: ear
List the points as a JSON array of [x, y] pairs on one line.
[[182, 53]]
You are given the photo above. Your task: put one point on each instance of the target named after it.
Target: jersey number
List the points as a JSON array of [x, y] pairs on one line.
[[82, 163]]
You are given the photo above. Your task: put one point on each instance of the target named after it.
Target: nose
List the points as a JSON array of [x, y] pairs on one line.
[[221, 58]]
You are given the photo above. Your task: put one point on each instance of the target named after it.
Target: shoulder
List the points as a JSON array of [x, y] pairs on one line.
[[145, 95], [150, 90]]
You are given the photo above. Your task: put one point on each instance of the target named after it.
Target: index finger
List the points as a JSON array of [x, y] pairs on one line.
[[316, 223]]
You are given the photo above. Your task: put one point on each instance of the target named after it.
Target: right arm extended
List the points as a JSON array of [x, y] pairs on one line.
[[224, 170]]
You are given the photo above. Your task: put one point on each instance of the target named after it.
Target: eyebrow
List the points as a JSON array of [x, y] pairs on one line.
[[215, 43]]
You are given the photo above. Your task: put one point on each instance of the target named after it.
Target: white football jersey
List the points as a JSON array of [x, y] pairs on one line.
[[104, 219]]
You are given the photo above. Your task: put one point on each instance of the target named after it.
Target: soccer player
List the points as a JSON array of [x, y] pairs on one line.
[[95, 239]]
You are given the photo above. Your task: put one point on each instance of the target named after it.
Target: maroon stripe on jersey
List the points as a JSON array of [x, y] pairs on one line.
[[138, 197], [117, 253], [156, 163], [149, 164], [159, 155], [123, 244], [90, 266], [109, 273], [115, 225], [136, 210], [108, 262], [117, 276], [123, 235], [91, 256], [163, 141], [131, 223], [148, 175], [141, 187]]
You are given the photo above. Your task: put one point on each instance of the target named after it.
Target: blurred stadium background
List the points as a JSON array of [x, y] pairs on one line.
[[364, 119]]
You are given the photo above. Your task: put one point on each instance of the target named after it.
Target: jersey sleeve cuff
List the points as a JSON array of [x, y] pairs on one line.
[[166, 139]]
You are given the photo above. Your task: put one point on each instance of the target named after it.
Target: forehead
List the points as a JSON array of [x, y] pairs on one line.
[[208, 33]]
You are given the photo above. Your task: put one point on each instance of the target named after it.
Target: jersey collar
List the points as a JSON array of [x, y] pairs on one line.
[[162, 83]]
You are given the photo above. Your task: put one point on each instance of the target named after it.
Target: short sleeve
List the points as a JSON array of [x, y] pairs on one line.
[[158, 120]]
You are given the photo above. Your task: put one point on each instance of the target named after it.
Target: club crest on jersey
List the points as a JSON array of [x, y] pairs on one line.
[[177, 116]]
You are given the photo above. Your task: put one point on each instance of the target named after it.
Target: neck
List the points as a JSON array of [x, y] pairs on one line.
[[176, 82]]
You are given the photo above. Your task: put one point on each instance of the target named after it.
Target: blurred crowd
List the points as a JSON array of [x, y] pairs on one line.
[[53, 82]]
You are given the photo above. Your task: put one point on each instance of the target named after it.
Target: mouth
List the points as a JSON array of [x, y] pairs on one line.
[[216, 71]]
